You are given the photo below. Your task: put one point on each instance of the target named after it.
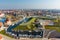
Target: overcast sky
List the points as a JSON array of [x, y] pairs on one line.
[[29, 4]]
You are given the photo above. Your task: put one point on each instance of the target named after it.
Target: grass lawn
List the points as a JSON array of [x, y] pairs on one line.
[[53, 28], [4, 33], [26, 26], [46, 18], [56, 26], [30, 21]]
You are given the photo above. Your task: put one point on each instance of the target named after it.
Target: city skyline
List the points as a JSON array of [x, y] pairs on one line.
[[29, 4]]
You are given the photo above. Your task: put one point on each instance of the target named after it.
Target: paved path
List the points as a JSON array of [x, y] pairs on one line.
[[8, 38], [33, 39]]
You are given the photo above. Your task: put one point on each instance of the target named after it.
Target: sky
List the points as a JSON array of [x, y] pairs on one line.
[[29, 4]]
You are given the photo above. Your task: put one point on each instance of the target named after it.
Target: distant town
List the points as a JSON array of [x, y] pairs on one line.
[[30, 23]]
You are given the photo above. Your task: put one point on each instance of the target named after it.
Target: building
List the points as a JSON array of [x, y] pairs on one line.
[[8, 22], [1, 37], [46, 22], [2, 20]]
